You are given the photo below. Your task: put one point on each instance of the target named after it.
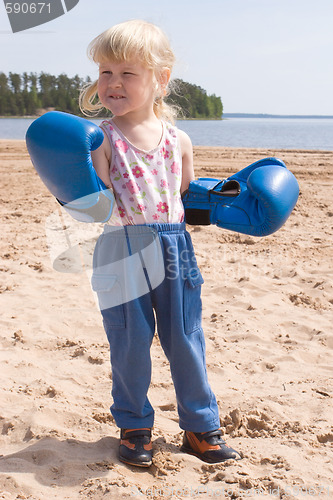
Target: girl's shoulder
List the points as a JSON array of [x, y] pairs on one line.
[[172, 133], [106, 125], [176, 132], [111, 131], [170, 128]]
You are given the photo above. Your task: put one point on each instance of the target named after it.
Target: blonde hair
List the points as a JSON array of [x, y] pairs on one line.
[[137, 40]]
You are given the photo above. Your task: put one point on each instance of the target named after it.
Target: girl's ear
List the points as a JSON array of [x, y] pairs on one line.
[[164, 79]]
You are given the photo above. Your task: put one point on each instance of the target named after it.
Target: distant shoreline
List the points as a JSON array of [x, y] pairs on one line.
[[264, 115]]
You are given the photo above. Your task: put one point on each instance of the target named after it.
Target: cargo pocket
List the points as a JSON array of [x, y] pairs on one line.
[[110, 300], [192, 301]]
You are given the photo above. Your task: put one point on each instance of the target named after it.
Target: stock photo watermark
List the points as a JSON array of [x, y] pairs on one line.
[[26, 14], [123, 263]]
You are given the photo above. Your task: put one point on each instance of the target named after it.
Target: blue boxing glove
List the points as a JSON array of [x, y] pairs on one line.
[[59, 145], [256, 201]]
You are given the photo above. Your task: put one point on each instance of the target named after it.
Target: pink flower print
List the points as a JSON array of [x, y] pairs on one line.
[[137, 171], [156, 216], [154, 172], [122, 164], [165, 153], [149, 180], [132, 187], [114, 170], [175, 168], [167, 142], [149, 157], [121, 212], [164, 183], [121, 145], [142, 208], [126, 175], [162, 207]]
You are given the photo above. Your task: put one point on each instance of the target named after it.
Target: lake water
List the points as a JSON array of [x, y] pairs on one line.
[[275, 133]]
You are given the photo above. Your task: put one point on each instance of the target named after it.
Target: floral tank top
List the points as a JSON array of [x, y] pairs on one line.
[[146, 184]]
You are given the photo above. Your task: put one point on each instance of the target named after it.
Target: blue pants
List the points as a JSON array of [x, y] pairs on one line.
[[139, 270]]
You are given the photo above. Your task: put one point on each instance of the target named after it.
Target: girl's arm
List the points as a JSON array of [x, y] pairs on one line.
[[187, 160], [101, 159]]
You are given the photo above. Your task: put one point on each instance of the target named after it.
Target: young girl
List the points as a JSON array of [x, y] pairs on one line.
[[148, 163]]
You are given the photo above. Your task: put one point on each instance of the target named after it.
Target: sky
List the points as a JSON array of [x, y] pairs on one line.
[[259, 56]]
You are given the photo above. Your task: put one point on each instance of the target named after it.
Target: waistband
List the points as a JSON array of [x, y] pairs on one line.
[[140, 229]]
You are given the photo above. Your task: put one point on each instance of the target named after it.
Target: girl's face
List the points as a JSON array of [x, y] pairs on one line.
[[126, 87]]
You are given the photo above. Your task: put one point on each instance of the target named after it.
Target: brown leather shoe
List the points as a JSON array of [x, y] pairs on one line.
[[135, 447], [208, 446]]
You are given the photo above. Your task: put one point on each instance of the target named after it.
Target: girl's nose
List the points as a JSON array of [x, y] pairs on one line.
[[114, 82]]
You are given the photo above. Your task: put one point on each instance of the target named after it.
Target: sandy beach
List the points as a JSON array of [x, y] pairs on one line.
[[267, 317]]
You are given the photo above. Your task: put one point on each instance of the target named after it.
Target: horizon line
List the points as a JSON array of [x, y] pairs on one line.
[[271, 115]]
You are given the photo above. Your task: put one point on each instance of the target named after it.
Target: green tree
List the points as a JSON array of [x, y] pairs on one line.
[[4, 94], [15, 82]]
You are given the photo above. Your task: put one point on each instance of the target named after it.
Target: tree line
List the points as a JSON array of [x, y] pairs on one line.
[[27, 94]]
